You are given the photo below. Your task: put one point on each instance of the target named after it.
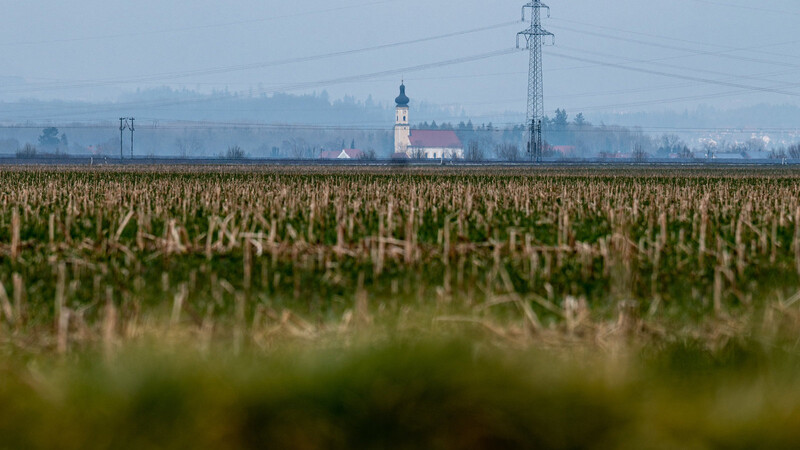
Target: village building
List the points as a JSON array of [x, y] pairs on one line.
[[347, 153], [422, 144]]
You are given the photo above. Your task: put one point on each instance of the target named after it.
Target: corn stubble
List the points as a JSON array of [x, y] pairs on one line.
[[636, 270]]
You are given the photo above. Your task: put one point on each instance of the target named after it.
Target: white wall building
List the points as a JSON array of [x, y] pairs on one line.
[[422, 144], [435, 144]]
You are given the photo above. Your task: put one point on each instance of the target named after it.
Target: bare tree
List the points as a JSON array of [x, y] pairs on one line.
[[189, 145], [507, 152], [182, 146], [794, 151], [474, 152], [638, 153], [710, 148], [235, 152], [755, 145], [368, 155], [28, 151], [298, 148], [670, 144]]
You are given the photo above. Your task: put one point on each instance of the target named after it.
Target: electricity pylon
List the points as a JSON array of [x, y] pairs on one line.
[[535, 38], [125, 124], [132, 130]]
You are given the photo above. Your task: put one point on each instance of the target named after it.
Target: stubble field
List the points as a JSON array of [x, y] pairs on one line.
[[399, 308]]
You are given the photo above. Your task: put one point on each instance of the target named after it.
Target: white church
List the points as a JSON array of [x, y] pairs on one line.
[[422, 144]]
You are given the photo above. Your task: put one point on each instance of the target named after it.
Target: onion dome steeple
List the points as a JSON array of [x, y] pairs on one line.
[[402, 100]]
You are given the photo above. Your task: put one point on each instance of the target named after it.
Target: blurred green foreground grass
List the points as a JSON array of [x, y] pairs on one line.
[[236, 308], [406, 393]]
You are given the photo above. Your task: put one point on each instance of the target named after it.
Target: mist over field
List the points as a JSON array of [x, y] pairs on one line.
[[680, 70], [373, 224]]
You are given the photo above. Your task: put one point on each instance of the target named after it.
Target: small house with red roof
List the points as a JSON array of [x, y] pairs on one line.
[[422, 144], [348, 153]]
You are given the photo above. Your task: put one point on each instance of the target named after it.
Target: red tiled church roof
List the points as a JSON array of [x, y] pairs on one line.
[[435, 139]]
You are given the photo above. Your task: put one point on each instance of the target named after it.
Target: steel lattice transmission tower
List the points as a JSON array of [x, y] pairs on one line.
[[535, 38]]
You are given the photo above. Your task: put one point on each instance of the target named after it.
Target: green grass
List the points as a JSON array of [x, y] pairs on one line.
[[407, 393], [431, 308]]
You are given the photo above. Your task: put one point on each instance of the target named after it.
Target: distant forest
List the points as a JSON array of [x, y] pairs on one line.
[[186, 123]]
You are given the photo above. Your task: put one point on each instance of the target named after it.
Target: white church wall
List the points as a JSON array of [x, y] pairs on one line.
[[436, 152]]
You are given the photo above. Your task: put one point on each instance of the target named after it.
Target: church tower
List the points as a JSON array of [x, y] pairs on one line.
[[402, 132]]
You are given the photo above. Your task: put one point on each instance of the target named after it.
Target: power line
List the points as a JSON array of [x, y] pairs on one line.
[[750, 8], [79, 84], [645, 103], [392, 72], [718, 54], [756, 49], [300, 86], [416, 68], [657, 62], [628, 91], [679, 99], [672, 75], [206, 125]]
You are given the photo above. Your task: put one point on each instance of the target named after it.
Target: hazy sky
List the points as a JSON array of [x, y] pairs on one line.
[[609, 56]]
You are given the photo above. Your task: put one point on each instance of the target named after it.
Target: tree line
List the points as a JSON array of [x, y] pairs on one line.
[[564, 137]]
